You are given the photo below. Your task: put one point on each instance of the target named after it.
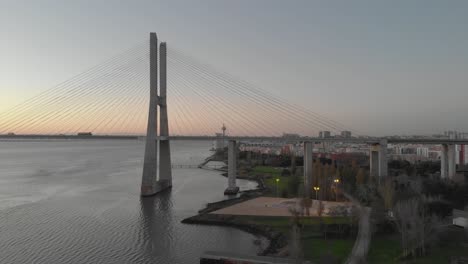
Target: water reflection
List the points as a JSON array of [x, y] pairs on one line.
[[156, 220]]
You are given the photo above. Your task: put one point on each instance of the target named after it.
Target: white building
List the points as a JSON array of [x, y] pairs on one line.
[[422, 151]]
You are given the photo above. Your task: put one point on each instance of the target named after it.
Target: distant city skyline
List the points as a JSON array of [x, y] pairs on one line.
[[383, 68]]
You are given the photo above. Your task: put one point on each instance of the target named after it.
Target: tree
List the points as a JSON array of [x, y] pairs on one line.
[[324, 182], [336, 187], [295, 245], [339, 211], [405, 222], [320, 208], [360, 176], [285, 172], [387, 192], [337, 174], [317, 168], [333, 171], [293, 164], [306, 204], [415, 225], [294, 182], [364, 193], [348, 178]]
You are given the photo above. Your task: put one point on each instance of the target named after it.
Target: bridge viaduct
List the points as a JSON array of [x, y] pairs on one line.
[[377, 156], [158, 178]]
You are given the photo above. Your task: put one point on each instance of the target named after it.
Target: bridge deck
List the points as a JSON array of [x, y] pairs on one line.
[[247, 138]]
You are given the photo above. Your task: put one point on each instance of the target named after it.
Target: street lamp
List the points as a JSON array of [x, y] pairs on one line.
[[316, 189], [336, 181], [277, 182]]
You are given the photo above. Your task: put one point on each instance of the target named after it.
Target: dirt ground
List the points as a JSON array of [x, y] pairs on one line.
[[272, 206]]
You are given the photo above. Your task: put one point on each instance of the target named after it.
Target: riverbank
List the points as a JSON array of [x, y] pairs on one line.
[[320, 236], [277, 240], [274, 228]]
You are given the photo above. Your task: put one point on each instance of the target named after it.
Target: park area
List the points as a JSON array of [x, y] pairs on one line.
[[328, 237], [334, 244]]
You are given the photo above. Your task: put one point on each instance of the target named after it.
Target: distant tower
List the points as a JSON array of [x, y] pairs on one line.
[[224, 134]]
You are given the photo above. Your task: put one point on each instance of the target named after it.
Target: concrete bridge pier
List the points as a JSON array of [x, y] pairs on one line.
[[308, 168], [378, 159], [232, 168], [150, 184], [447, 161], [165, 168]]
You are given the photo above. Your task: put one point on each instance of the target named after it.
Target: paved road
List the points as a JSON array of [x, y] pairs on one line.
[[361, 246]]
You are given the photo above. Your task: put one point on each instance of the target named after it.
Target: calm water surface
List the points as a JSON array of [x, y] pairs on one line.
[[78, 202]]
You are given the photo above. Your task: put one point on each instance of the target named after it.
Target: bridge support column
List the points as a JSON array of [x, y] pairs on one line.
[[232, 168], [165, 168], [308, 168], [383, 163], [451, 156], [150, 185], [447, 161], [378, 160], [444, 161]]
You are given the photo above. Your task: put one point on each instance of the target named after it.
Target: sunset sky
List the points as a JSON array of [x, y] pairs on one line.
[[382, 67]]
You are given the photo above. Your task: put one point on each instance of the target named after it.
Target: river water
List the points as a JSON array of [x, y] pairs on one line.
[[78, 202]]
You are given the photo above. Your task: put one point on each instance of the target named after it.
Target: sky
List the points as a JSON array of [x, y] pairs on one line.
[[381, 67]]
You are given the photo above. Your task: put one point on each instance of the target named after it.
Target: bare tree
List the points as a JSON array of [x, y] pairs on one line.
[[295, 245], [415, 225], [387, 191], [320, 208], [360, 176], [405, 214]]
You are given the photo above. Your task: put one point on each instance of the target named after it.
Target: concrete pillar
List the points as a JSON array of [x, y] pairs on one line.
[[444, 161], [308, 168], [232, 168], [219, 146], [374, 160], [461, 158], [383, 164], [378, 160], [451, 160], [148, 184], [165, 168]]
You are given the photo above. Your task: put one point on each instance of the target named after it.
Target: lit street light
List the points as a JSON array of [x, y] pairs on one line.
[[336, 181], [277, 189], [316, 188]]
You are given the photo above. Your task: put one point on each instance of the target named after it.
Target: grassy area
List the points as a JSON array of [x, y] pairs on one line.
[[270, 175], [384, 250], [273, 171], [443, 254], [387, 249], [314, 246]]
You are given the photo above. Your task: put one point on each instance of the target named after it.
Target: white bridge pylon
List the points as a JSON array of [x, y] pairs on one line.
[[152, 183]]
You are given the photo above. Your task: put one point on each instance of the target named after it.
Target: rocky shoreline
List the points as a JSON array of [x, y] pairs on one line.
[[204, 217], [277, 239]]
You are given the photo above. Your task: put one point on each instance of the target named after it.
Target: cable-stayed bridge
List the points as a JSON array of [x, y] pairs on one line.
[[187, 99], [112, 99]]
